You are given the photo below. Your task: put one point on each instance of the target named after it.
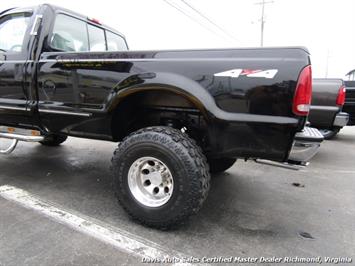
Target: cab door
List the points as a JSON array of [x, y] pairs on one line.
[[14, 93]]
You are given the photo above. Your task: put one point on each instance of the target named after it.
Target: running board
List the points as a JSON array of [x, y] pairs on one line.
[[18, 134]]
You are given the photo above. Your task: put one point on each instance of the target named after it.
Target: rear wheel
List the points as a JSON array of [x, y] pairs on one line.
[[53, 140], [220, 164], [161, 177]]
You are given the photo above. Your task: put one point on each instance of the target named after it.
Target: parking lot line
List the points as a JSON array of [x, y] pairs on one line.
[[116, 237], [335, 171]]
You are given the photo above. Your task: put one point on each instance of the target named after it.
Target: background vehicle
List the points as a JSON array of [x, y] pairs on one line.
[[62, 74], [349, 105], [326, 110]]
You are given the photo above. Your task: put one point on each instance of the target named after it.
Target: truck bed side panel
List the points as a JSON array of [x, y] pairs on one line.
[[251, 112]]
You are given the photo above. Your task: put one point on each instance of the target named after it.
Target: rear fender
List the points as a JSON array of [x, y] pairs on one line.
[[187, 88]]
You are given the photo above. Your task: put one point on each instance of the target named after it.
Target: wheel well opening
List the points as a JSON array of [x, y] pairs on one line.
[[159, 108]]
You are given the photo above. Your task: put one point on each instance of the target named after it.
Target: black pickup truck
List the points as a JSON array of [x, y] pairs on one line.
[[178, 114], [326, 114]]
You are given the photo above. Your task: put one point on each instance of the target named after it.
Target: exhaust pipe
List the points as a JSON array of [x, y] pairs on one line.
[[286, 165]]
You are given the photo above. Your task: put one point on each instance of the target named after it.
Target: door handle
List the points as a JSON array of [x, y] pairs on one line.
[[48, 89], [49, 85]]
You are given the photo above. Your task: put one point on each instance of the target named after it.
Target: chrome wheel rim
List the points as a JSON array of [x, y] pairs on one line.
[[150, 181]]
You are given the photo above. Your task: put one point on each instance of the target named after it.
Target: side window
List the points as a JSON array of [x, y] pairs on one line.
[[12, 31], [69, 34], [115, 42], [96, 39]]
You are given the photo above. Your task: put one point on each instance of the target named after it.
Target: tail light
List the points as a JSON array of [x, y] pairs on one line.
[[303, 94], [341, 96]]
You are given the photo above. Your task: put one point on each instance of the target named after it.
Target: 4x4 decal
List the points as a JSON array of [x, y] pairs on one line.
[[252, 73]]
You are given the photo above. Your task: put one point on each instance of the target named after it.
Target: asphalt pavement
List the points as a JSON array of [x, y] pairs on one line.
[[253, 211]]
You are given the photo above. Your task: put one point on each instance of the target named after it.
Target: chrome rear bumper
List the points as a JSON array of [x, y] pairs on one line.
[[302, 153], [305, 146], [341, 119]]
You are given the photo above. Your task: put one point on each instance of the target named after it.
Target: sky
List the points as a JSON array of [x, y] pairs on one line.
[[325, 27]]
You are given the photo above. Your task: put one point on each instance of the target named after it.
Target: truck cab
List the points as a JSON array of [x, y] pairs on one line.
[[26, 89]]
